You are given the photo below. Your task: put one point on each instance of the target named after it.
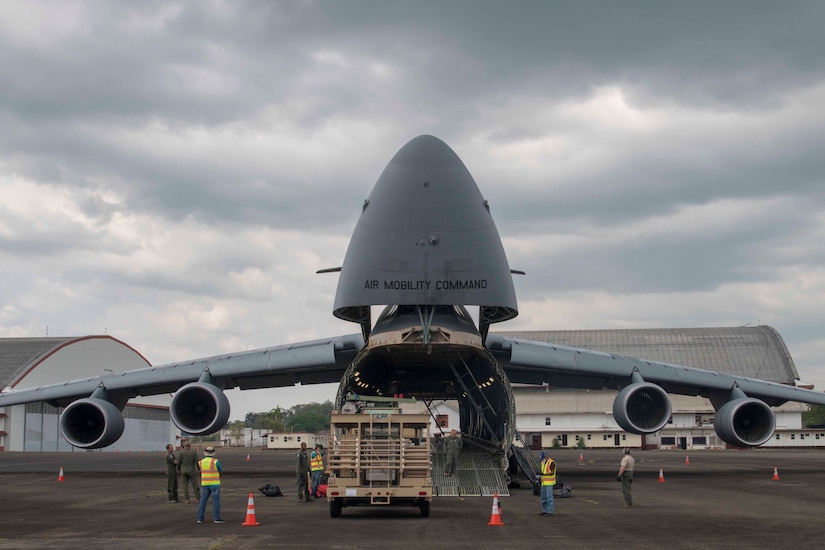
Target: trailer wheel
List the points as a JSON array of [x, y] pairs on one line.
[[335, 508], [424, 505]]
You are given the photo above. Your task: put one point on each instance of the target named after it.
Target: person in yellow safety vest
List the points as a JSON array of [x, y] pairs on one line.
[[548, 481], [316, 466], [210, 484]]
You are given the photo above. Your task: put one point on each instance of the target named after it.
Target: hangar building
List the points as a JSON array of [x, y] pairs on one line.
[[31, 362]]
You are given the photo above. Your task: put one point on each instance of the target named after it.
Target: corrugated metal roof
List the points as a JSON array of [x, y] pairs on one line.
[[755, 352], [17, 355]]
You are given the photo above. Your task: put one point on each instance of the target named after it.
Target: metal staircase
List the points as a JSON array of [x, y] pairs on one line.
[[527, 462]]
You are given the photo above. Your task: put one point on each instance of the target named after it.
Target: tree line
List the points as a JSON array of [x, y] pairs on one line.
[[311, 417], [814, 417]]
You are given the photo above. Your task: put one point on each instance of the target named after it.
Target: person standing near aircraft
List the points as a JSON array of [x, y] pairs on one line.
[[211, 472], [548, 482], [171, 475], [626, 477], [188, 466], [301, 472], [452, 446], [316, 466]]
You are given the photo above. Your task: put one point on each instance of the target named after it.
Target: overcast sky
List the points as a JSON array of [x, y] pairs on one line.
[[173, 174]]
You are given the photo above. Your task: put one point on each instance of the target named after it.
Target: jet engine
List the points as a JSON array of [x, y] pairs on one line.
[[91, 423], [642, 408], [745, 422], [200, 408]]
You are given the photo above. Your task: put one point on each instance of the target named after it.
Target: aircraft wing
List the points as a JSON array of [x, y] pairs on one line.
[[531, 362], [311, 362]]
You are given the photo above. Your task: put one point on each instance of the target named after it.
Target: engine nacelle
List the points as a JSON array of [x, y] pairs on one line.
[[91, 423], [745, 422], [642, 408], [200, 409]]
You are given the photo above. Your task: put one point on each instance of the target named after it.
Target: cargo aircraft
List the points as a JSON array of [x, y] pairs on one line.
[[425, 247]]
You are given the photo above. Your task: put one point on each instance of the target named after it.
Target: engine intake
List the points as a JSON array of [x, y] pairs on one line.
[[746, 422], [91, 423], [642, 408], [200, 409]]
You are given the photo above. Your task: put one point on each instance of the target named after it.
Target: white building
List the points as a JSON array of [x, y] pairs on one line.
[[293, 440], [545, 414]]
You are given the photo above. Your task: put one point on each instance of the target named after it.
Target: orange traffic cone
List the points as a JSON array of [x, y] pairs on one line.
[[581, 459], [61, 478], [247, 457], [250, 513], [687, 460], [661, 476], [495, 517], [775, 474]]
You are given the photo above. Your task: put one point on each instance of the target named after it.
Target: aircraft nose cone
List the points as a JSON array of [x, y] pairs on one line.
[[427, 150], [425, 188], [425, 236]]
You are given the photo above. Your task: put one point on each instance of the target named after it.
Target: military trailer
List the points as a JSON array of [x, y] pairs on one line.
[[378, 456]]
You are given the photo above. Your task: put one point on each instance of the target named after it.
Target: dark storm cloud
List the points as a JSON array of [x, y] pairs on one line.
[[204, 68]]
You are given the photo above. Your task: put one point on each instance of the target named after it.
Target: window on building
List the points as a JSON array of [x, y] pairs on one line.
[[777, 436], [793, 436], [700, 440], [442, 421], [547, 421], [588, 437], [668, 441], [624, 437]]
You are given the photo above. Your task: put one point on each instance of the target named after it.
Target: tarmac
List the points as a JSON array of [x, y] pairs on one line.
[[720, 499]]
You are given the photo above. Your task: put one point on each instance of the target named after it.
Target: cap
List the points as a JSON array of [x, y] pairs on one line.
[[209, 450], [542, 455]]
